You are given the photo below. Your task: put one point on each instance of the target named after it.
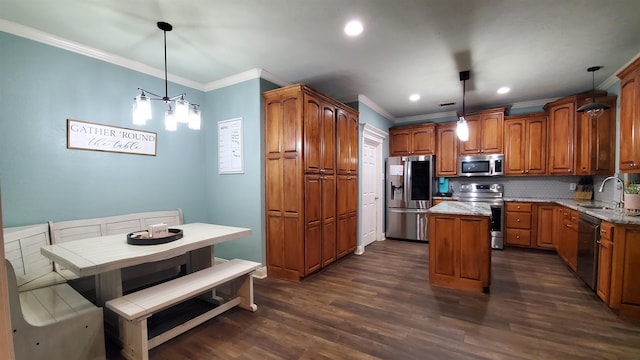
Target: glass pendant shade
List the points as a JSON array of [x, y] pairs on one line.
[[170, 123], [141, 109], [462, 129], [194, 118], [182, 110]]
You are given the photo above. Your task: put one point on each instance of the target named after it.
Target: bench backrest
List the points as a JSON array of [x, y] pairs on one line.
[[63, 231], [22, 248]]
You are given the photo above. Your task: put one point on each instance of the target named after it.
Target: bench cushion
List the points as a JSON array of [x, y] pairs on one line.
[[145, 302]]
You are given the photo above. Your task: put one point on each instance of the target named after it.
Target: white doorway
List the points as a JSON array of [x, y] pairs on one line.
[[372, 179]]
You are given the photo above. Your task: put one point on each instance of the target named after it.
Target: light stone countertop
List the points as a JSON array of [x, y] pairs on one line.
[[461, 208], [606, 211]]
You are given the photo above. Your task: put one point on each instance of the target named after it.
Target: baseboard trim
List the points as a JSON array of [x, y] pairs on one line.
[[359, 250]]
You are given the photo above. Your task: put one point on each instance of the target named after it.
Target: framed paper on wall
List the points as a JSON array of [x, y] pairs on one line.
[[230, 154]]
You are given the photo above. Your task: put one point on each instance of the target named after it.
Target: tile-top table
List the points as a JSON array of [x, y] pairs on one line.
[[105, 256]]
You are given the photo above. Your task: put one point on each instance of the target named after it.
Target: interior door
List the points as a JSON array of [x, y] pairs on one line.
[[369, 196]]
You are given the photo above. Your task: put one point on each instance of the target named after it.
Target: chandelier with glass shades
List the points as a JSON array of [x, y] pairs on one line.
[[179, 111], [462, 128]]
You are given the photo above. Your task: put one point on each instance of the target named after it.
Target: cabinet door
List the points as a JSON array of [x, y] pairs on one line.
[[447, 154], [313, 133], [399, 142], [561, 139], [491, 133], [424, 140], [536, 146], [514, 145], [545, 220], [630, 123], [347, 205], [284, 185], [347, 142], [329, 224], [313, 223], [473, 146], [328, 129], [605, 258]]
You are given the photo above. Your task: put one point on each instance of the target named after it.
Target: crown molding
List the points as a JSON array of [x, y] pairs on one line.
[[244, 76], [375, 107], [611, 80], [78, 48]]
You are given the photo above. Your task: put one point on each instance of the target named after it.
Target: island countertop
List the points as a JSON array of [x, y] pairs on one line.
[[461, 208]]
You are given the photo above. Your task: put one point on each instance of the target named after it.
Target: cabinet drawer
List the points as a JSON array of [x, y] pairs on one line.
[[518, 237], [519, 220], [518, 207], [606, 230]]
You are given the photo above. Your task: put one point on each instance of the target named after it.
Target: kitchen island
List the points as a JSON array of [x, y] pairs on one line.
[[460, 245]]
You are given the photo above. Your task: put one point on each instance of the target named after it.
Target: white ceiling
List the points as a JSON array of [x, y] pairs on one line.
[[539, 48]]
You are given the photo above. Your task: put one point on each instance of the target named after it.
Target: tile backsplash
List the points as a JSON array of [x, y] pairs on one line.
[[550, 187]]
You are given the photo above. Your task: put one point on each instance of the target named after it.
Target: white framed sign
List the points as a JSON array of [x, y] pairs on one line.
[[84, 135], [230, 157]]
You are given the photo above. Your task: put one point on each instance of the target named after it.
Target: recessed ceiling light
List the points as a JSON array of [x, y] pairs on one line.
[[414, 97], [503, 90], [353, 28]]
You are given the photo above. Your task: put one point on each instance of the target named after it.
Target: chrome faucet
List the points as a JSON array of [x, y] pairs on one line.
[[621, 202]]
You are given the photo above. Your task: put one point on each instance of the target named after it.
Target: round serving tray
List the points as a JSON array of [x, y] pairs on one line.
[[175, 234]]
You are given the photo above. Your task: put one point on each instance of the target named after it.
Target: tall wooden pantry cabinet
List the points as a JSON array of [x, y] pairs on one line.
[[311, 181]]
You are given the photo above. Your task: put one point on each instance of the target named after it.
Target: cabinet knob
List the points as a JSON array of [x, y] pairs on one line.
[[569, 170], [522, 172], [517, 220], [527, 171], [517, 236]]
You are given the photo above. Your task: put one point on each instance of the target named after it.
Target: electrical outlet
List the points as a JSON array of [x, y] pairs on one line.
[[572, 186]]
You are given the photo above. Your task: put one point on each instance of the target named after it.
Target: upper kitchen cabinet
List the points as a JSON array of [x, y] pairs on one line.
[[319, 135], [596, 146], [447, 154], [525, 144], [347, 141], [562, 133], [412, 140], [485, 133], [630, 118]]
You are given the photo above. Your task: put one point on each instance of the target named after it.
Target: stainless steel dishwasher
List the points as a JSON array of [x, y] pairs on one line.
[[588, 240]]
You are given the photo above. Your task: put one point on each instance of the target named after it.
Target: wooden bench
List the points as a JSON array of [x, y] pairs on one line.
[[54, 322], [137, 307], [22, 248]]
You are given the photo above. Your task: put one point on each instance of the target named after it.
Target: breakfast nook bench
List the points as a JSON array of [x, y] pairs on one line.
[[136, 308]]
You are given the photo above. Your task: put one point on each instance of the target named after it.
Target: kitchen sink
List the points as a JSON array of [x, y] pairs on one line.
[[594, 206]]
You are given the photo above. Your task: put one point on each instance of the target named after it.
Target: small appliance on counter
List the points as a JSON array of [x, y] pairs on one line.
[[443, 188]]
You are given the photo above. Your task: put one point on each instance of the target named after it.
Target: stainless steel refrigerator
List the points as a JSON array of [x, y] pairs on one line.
[[409, 194]]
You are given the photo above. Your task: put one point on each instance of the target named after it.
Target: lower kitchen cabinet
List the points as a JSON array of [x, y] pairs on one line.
[[545, 219], [530, 225], [568, 240], [624, 293], [605, 257], [518, 223], [460, 251]]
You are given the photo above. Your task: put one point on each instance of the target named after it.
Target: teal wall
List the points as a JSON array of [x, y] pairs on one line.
[[42, 180], [238, 199]]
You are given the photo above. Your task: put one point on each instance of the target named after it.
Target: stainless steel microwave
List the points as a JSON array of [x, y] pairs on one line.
[[481, 165]]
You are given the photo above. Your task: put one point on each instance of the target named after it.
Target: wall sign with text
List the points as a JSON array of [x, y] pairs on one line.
[[90, 136]]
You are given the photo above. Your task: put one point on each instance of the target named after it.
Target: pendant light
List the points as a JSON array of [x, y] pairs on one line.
[[462, 129], [593, 109], [180, 112]]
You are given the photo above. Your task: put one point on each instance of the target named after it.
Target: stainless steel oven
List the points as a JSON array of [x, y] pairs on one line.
[[491, 194]]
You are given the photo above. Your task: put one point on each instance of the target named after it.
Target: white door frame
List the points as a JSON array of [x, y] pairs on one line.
[[373, 136]]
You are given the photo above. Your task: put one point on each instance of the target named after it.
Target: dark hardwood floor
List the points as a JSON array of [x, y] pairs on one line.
[[380, 306]]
